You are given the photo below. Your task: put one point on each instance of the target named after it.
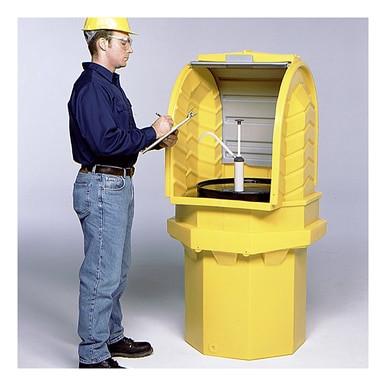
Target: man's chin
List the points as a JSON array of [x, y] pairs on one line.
[[121, 65]]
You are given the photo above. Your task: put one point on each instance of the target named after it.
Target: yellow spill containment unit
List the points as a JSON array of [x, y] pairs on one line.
[[245, 262]]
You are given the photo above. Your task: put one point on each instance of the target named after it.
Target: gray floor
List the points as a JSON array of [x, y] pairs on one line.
[[49, 259]]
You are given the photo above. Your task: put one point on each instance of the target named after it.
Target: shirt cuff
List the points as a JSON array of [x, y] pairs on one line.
[[150, 135]]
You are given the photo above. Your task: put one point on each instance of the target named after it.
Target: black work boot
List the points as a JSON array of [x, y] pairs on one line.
[[106, 364], [127, 348]]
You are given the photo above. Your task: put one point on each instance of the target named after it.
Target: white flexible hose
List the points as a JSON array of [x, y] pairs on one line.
[[218, 140]]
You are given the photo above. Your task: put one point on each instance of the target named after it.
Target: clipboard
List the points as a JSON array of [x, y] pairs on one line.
[[190, 115]]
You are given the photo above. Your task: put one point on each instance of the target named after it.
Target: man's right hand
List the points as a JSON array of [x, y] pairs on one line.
[[162, 125]]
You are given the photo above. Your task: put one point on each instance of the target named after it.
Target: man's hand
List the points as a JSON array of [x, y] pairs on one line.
[[162, 125], [170, 140]]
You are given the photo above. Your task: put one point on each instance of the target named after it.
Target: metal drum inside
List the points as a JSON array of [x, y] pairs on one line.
[[255, 189]]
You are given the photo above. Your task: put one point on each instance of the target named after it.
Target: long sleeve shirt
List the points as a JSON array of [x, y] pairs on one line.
[[102, 126]]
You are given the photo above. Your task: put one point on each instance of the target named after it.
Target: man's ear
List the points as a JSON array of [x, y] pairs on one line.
[[102, 44]]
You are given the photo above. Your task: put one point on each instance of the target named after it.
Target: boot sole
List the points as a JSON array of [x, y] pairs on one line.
[[125, 355]]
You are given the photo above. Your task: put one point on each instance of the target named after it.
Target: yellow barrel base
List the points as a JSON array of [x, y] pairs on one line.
[[245, 307]]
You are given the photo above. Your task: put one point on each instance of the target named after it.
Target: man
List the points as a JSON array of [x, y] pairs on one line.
[[105, 141]]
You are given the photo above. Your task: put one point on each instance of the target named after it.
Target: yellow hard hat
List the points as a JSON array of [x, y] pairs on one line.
[[110, 23]]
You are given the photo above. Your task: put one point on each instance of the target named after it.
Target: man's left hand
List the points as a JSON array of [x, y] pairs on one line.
[[170, 140]]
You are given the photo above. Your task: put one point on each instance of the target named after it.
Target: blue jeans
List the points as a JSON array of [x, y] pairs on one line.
[[105, 206]]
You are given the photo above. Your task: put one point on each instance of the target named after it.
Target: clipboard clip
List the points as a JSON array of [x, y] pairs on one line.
[[191, 114]]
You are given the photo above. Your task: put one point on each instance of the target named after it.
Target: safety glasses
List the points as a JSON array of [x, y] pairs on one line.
[[124, 41]]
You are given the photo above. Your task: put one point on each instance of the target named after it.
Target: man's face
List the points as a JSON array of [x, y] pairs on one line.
[[119, 49]]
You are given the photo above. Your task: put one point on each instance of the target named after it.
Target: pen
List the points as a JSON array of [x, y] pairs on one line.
[[158, 114]]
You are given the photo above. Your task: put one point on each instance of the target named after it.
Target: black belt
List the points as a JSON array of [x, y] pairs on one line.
[[115, 170]]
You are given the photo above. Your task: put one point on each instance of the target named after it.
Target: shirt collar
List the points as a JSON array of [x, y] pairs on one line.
[[110, 76]]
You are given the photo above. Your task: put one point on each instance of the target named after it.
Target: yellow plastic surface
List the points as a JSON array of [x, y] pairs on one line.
[[245, 310], [258, 57], [109, 23], [245, 262]]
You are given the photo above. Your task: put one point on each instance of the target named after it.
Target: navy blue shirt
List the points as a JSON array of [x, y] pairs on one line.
[[102, 126]]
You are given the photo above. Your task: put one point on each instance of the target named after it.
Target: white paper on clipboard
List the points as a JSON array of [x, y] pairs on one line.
[[172, 130]]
